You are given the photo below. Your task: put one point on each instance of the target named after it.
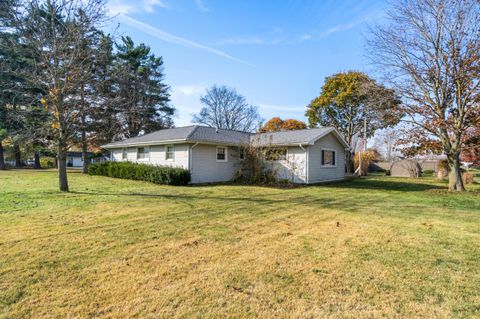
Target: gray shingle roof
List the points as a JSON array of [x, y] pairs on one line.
[[209, 134], [290, 137], [196, 133], [173, 134]]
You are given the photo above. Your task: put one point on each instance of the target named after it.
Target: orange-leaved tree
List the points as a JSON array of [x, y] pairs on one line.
[[276, 124]]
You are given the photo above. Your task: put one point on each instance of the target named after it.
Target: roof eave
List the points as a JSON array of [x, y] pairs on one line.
[[110, 146]]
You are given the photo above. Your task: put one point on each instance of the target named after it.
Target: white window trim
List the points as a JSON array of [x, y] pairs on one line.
[[146, 159], [226, 154], [126, 154], [334, 155], [173, 152]]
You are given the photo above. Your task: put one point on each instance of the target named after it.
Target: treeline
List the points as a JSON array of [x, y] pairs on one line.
[[65, 83]]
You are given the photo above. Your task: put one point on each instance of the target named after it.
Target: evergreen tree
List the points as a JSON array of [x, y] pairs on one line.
[[141, 96]]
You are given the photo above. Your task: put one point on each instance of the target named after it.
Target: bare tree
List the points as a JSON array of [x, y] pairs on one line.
[[386, 142], [53, 32], [430, 49], [227, 109]]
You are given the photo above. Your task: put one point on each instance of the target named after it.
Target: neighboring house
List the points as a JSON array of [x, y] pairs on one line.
[[215, 155], [75, 159]]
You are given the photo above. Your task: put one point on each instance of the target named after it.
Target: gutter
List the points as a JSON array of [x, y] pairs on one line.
[[110, 146]]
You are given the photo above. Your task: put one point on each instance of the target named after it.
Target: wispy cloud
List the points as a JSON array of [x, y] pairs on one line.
[[201, 5], [186, 98], [190, 89], [305, 37], [123, 7], [340, 28], [167, 37], [242, 41], [351, 24]]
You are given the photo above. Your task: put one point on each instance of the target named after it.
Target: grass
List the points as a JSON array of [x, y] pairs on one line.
[[369, 248]]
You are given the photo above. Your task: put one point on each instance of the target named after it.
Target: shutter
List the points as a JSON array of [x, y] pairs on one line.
[[323, 157], [334, 157]]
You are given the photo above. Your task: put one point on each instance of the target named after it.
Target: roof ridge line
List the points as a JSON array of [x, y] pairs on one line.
[[287, 131], [191, 133]]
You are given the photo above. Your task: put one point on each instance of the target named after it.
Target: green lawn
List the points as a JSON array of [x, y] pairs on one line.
[[371, 248]]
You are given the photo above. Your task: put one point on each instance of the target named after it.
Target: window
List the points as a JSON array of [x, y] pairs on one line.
[[241, 153], [170, 153], [328, 158], [276, 154], [124, 154], [143, 153], [221, 154]]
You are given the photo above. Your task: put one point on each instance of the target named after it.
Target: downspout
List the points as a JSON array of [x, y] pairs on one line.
[[190, 159], [306, 162]]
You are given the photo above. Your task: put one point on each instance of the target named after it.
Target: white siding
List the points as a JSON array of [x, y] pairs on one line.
[[206, 169], [317, 173], [77, 161], [293, 168], [157, 156]]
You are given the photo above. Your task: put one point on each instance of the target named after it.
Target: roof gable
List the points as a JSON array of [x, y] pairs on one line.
[[295, 137]]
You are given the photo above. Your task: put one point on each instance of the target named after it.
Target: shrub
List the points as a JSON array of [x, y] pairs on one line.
[[387, 172], [367, 158], [47, 162], [165, 175], [468, 178]]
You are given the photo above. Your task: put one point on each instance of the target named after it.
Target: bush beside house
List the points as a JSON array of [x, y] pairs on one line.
[[164, 175]]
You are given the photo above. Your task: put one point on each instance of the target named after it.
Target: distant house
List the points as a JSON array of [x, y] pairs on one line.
[[75, 159], [215, 155]]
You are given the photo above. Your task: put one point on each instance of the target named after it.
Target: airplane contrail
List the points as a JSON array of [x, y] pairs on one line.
[[165, 36]]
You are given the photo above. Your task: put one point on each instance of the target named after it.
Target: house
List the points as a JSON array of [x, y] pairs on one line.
[[75, 159], [215, 155]]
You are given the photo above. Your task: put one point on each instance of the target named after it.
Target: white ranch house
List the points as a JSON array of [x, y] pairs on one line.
[[214, 155]]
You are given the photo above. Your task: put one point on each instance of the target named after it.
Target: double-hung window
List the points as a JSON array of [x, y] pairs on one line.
[[328, 158], [143, 153], [221, 154], [124, 154], [170, 153], [241, 153]]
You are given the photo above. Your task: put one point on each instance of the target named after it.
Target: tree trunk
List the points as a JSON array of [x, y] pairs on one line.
[[2, 158], [84, 148], [455, 181], [62, 166], [350, 165], [37, 160], [18, 156]]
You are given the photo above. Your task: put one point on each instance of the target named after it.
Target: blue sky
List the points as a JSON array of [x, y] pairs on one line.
[[276, 53]]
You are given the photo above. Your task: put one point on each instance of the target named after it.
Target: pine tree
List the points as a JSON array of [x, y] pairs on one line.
[[142, 97]]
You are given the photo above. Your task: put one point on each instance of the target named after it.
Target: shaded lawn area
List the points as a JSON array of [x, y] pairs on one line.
[[376, 247]]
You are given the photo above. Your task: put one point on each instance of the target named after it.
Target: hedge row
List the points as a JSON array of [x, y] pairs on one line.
[[165, 175]]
